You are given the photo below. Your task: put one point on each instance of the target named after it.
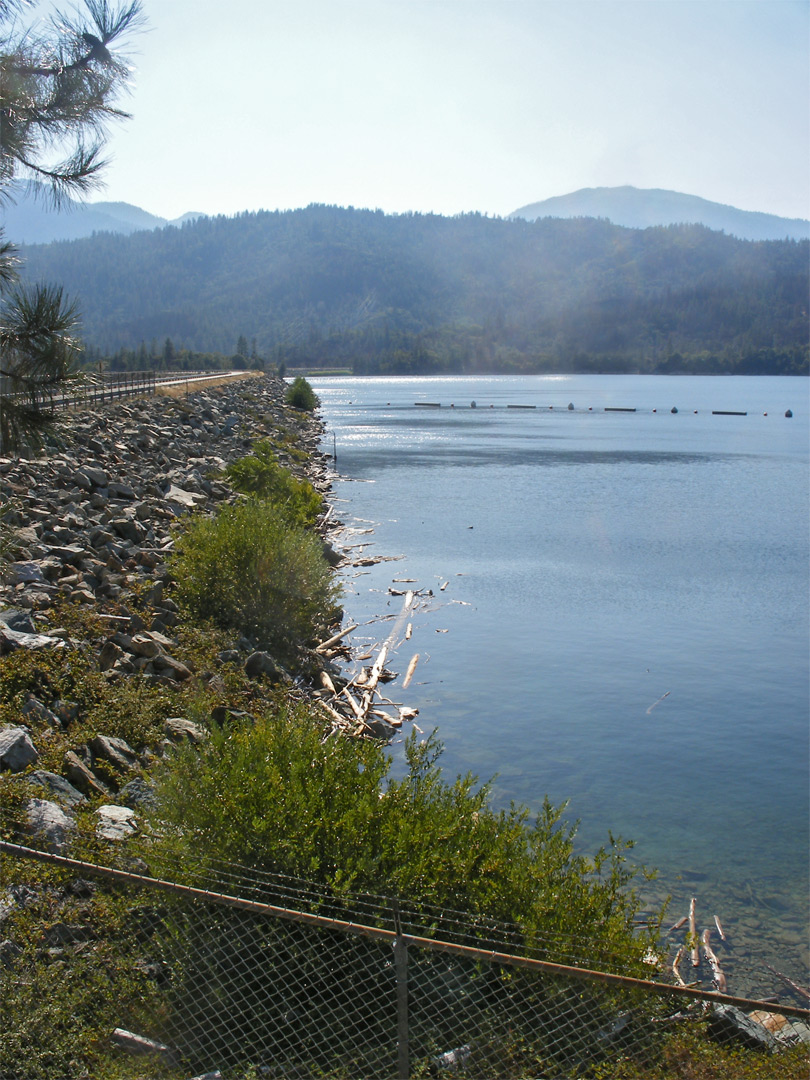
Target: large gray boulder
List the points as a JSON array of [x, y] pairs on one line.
[[47, 821], [57, 788], [115, 822], [16, 749]]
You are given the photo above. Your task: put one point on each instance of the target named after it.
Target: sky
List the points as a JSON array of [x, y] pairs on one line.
[[450, 106]]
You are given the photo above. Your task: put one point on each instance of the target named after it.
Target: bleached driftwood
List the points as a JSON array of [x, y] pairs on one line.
[[324, 645], [714, 963], [693, 934], [410, 671]]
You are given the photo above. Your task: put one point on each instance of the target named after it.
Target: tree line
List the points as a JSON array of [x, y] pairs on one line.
[[419, 293]]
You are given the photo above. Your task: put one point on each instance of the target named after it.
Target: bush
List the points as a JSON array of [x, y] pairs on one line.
[[301, 395], [261, 475], [250, 571], [278, 797]]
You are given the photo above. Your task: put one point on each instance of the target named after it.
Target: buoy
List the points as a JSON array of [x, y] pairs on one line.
[[472, 405], [673, 409], [789, 413], [655, 410], [570, 406]]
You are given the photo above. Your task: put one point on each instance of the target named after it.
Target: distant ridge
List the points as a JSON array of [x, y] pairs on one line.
[[32, 219], [641, 208]]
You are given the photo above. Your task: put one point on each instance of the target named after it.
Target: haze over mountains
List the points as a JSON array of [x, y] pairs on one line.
[[641, 208], [31, 217], [419, 293]]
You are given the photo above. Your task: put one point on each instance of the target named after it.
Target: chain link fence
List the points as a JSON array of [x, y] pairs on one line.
[[109, 972]]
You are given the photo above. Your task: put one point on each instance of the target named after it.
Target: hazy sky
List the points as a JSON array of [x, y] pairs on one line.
[[455, 105]]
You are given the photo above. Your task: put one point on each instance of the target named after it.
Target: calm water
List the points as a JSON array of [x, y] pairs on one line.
[[626, 616]]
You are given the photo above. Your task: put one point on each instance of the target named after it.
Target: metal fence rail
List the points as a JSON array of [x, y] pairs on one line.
[[274, 978]]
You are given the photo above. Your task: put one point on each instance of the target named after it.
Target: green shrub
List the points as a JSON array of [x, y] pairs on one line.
[[250, 571], [261, 475], [278, 797], [301, 395]]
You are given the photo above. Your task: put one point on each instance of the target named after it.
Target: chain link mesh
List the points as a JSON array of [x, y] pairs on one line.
[[132, 977]]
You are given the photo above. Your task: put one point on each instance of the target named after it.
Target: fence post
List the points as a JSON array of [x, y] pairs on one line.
[[401, 970]]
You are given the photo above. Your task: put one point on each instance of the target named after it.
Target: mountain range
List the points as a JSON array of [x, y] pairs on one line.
[[642, 208], [419, 293], [29, 217]]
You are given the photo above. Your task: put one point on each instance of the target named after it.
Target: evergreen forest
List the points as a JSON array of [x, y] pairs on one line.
[[375, 293]]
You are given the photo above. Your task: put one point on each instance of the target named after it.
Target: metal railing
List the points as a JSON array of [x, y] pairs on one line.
[[241, 974]]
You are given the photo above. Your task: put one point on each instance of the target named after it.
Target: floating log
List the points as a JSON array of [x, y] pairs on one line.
[[675, 964], [410, 671], [358, 712], [408, 631], [693, 934], [521, 406], [327, 684], [802, 991], [717, 971], [719, 928], [614, 408], [334, 640], [444, 586], [679, 923], [727, 412], [428, 404]]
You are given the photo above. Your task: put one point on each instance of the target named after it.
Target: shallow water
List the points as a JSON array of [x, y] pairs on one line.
[[626, 616]]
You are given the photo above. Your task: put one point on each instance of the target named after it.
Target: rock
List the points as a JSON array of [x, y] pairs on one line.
[[183, 500], [14, 639], [167, 665], [97, 477], [728, 1023], [47, 820], [9, 952], [68, 554], [16, 749], [115, 822], [81, 776], [129, 529], [25, 573], [109, 654], [56, 786], [262, 663], [18, 620], [34, 709], [145, 645], [179, 729], [116, 752], [137, 793], [66, 711]]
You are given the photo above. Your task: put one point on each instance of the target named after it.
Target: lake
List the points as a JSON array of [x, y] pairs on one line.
[[625, 624]]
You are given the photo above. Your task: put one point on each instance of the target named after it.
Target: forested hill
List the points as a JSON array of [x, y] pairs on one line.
[[423, 293]]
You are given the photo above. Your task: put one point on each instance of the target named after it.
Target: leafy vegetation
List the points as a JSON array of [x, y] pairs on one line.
[[301, 395], [249, 570], [350, 827], [260, 475], [330, 287]]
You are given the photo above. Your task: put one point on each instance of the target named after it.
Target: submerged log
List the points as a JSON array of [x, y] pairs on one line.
[[693, 934], [410, 671], [714, 963], [675, 965]]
